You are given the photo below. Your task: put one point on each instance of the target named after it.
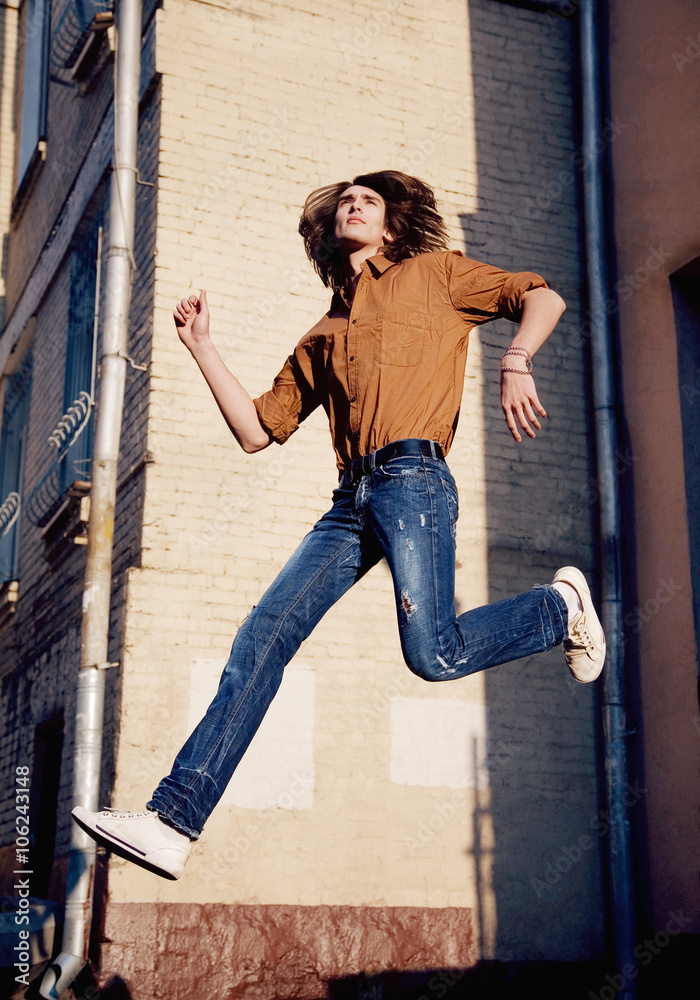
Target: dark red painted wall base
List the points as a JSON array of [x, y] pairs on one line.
[[181, 951]]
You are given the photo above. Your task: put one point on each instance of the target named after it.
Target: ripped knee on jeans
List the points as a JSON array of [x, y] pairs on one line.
[[407, 604]]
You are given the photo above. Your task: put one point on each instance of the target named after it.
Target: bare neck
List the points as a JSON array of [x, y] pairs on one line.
[[354, 261]]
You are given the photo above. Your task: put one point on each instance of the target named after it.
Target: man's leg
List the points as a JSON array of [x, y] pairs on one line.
[[329, 560], [412, 506]]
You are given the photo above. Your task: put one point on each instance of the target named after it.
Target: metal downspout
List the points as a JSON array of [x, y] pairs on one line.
[[604, 401], [87, 755]]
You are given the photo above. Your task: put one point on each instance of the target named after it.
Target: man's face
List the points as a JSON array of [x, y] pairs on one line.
[[359, 219]]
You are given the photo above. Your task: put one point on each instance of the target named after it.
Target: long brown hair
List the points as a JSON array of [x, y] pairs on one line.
[[412, 219]]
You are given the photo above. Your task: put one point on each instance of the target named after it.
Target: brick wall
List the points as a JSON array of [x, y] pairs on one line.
[[540, 496], [256, 106], [40, 644], [261, 105]]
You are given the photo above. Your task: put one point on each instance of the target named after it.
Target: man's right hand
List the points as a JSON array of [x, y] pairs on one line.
[[191, 317]]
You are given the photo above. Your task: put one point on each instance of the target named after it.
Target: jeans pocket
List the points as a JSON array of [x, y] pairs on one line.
[[450, 488], [452, 496], [402, 465]]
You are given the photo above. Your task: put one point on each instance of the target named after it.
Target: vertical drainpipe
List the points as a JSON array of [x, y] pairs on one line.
[[604, 402], [87, 754]]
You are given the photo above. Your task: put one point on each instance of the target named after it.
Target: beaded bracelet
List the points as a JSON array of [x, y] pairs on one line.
[[518, 352], [517, 371]]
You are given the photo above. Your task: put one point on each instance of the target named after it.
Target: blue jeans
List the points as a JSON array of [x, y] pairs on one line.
[[406, 511]]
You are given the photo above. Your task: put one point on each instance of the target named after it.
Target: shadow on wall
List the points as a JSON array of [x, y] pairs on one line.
[[540, 499], [83, 988], [485, 981], [3, 254], [663, 976]]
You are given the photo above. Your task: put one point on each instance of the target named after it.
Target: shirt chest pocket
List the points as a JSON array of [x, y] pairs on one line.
[[399, 342]]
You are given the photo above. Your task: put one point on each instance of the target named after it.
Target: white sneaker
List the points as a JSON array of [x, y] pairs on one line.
[[141, 837], [584, 647]]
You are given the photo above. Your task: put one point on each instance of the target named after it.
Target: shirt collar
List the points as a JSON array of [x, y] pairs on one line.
[[379, 264], [376, 265]]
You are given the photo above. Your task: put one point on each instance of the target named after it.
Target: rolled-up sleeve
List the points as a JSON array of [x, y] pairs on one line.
[[291, 399], [481, 292]]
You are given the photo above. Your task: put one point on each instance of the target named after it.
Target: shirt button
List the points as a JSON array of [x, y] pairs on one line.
[[354, 321], [353, 398], [352, 357]]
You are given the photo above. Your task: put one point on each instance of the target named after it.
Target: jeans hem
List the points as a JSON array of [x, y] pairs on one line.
[[562, 618], [167, 818]]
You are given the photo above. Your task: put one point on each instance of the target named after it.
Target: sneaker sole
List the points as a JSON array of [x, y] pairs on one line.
[[128, 853]]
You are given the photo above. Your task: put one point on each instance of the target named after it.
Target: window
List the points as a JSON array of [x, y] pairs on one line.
[[35, 88], [66, 475], [79, 384], [44, 792], [15, 413]]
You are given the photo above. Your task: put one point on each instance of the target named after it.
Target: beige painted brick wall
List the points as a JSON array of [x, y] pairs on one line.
[[260, 104]]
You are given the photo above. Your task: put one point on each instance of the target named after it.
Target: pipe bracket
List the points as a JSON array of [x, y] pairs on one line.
[[137, 367]]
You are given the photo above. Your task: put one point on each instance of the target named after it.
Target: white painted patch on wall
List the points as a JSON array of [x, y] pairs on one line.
[[278, 768], [436, 742]]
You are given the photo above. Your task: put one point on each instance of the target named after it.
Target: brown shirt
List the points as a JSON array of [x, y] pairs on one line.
[[391, 365]]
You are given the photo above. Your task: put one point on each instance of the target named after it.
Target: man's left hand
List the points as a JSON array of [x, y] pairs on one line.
[[520, 404]]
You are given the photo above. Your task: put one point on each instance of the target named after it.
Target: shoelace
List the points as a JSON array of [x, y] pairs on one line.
[[582, 638]]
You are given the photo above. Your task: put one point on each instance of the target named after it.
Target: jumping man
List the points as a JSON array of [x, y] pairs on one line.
[[386, 362]]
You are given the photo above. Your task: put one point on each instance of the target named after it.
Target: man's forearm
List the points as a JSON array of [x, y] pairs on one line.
[[236, 405], [521, 406], [542, 309]]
